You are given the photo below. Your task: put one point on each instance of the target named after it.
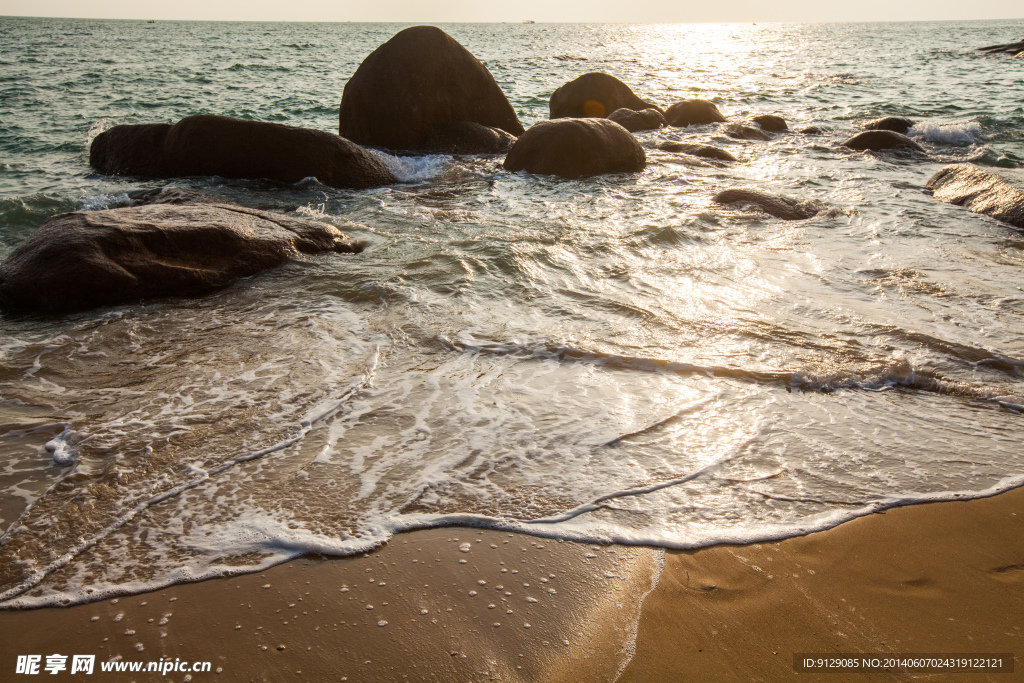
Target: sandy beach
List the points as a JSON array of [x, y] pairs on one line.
[[464, 604]]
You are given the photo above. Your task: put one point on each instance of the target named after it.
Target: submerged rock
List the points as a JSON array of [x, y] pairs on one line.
[[634, 121], [772, 204], [419, 82], [697, 150], [693, 112], [878, 140], [466, 137], [741, 132], [893, 123], [980, 191], [234, 148], [812, 130], [177, 243], [594, 95], [771, 123], [575, 148], [1008, 48]]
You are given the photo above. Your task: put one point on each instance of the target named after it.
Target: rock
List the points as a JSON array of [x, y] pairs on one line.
[[234, 148], [593, 95], [161, 248], [893, 123], [633, 121], [706, 151], [741, 132], [419, 82], [980, 191], [692, 113], [772, 204], [812, 130], [576, 147], [877, 140], [466, 137], [1008, 48], [771, 123]]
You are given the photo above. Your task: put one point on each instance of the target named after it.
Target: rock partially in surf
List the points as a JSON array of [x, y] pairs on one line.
[[698, 150], [772, 204], [419, 82], [234, 148], [160, 248], [741, 132], [893, 123], [575, 148], [466, 137], [980, 191], [771, 123], [1007, 48], [879, 140], [812, 130], [692, 113], [635, 121], [593, 95]]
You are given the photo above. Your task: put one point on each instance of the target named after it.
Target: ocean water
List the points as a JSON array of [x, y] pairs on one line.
[[609, 359]]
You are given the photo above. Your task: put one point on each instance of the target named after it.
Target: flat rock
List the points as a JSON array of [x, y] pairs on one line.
[[235, 148], [741, 132], [698, 150], [878, 140], [575, 148], [634, 121], [771, 123], [418, 82], [466, 137], [692, 113], [766, 202], [173, 244], [980, 191], [594, 95], [893, 123]]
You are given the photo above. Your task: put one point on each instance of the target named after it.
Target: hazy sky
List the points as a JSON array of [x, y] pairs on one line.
[[538, 10]]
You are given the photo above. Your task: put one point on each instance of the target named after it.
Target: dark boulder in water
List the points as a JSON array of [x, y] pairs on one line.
[[692, 113], [812, 130], [698, 150], [466, 137], [1007, 48], [771, 123], [980, 191], [878, 140], [594, 95], [634, 121], [772, 204], [741, 132], [575, 148], [420, 81], [235, 148], [893, 123], [176, 244]]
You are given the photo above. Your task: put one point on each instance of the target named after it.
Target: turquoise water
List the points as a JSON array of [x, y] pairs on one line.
[[611, 359]]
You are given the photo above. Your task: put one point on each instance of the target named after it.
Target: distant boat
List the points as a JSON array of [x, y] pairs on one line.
[[529, 21], [150, 22]]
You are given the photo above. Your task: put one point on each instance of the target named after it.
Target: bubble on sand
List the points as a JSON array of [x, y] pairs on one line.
[[382, 623], [464, 548], [472, 593]]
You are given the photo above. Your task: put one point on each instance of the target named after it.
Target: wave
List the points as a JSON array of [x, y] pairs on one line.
[[964, 133], [415, 169]]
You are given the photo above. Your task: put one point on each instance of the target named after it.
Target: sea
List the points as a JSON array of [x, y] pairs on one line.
[[615, 359]]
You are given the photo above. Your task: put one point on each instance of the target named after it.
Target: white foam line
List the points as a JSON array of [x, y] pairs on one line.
[[204, 475]]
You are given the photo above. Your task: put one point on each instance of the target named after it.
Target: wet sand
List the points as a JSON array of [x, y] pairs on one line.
[[945, 577]]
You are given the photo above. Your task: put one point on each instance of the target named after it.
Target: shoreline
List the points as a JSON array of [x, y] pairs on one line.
[[933, 577]]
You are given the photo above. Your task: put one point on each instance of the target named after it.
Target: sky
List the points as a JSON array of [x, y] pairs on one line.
[[432, 11]]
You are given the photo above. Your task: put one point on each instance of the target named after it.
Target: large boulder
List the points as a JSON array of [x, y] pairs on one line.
[[893, 123], [176, 244], [235, 148], [772, 204], [466, 137], [879, 140], [635, 121], [697, 150], [575, 148], [594, 95], [420, 81], [692, 113], [980, 191]]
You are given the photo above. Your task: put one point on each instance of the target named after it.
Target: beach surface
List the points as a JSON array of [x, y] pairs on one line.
[[455, 603]]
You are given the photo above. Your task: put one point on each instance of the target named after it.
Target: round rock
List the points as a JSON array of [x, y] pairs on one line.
[[575, 148]]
